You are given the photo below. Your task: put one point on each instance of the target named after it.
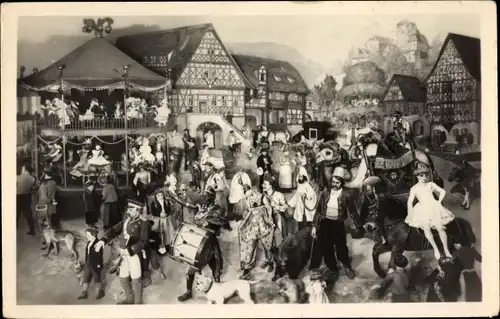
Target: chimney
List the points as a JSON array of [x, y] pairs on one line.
[[21, 70]]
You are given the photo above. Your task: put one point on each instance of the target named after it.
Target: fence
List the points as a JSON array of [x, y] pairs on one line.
[[101, 122]]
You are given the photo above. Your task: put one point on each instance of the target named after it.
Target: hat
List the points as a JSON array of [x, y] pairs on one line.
[[158, 191], [420, 168], [260, 171], [269, 178], [397, 113], [401, 261], [89, 183], [132, 203], [370, 181], [339, 171]]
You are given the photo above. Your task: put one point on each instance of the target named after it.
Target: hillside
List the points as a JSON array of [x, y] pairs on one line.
[[310, 70]]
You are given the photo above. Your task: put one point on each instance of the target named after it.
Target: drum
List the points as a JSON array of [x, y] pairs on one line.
[[190, 245]]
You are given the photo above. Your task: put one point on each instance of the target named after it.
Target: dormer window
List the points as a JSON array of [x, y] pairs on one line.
[[277, 78], [290, 79], [262, 75]]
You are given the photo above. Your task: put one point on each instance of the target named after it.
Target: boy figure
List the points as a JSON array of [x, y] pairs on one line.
[[93, 265]]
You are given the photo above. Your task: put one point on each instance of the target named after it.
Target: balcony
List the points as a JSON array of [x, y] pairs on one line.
[[101, 125]]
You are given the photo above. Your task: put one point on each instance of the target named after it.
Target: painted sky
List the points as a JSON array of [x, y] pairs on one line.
[[324, 39]]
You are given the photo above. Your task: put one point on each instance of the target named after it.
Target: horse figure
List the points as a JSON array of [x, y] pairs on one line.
[[385, 216], [468, 182]]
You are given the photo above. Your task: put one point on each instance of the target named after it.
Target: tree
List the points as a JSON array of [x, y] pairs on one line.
[[325, 92]]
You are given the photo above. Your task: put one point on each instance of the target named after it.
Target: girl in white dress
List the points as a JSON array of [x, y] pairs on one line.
[[316, 288], [98, 158], [429, 213]]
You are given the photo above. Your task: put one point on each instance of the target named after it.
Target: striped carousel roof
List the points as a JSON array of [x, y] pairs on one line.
[[96, 64]]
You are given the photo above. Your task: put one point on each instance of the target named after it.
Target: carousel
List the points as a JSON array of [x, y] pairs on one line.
[[99, 117]]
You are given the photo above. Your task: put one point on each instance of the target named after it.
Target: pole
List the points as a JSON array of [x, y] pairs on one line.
[[125, 75], [35, 146], [64, 162]]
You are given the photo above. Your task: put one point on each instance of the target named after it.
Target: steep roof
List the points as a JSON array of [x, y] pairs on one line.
[[410, 87], [95, 64], [181, 42], [469, 49], [281, 75]]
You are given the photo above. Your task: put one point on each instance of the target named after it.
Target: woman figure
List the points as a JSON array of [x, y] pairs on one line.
[[237, 192], [82, 165], [98, 158], [429, 213], [209, 139], [118, 114], [91, 203], [162, 218], [285, 172]]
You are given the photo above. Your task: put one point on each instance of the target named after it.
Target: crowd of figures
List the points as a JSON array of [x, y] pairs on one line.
[[167, 217], [135, 108]]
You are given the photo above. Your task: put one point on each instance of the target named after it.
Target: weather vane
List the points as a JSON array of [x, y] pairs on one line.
[[99, 26]]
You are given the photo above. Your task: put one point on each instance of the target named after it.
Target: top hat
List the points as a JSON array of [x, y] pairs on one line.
[[421, 168], [401, 261], [397, 113], [132, 203]]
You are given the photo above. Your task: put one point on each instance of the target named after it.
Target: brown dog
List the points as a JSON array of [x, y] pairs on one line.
[[54, 237]]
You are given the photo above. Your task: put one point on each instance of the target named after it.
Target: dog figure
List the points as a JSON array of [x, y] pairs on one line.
[[217, 293], [54, 237], [78, 269]]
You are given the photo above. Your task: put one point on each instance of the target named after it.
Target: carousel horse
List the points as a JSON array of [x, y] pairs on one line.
[[388, 215], [468, 181], [88, 116]]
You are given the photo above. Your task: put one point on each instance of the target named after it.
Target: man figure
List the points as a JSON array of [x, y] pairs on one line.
[[232, 141], [256, 227], [214, 222], [264, 163], [133, 233], [401, 128], [24, 186], [277, 202], [304, 200], [237, 192], [333, 207], [190, 150], [46, 204], [142, 180], [216, 182]]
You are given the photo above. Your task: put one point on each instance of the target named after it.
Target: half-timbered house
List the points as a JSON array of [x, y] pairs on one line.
[[407, 95], [454, 92], [209, 85]]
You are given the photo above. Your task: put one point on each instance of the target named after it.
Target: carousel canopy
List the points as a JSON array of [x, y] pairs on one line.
[[96, 64]]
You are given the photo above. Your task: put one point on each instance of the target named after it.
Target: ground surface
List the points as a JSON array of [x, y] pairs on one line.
[[46, 281]]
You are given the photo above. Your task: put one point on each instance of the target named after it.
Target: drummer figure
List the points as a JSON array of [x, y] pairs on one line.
[[211, 218]]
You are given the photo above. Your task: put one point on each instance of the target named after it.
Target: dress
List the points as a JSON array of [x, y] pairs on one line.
[[428, 212], [285, 173], [209, 140], [98, 158], [316, 291]]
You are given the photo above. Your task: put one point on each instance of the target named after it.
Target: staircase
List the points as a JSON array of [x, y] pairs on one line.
[[194, 120]]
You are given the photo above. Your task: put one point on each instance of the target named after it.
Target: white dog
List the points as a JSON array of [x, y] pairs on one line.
[[218, 293]]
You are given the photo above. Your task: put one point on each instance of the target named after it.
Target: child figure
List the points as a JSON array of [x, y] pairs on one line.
[[316, 288], [429, 213], [466, 255], [93, 265], [397, 283], [91, 202]]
